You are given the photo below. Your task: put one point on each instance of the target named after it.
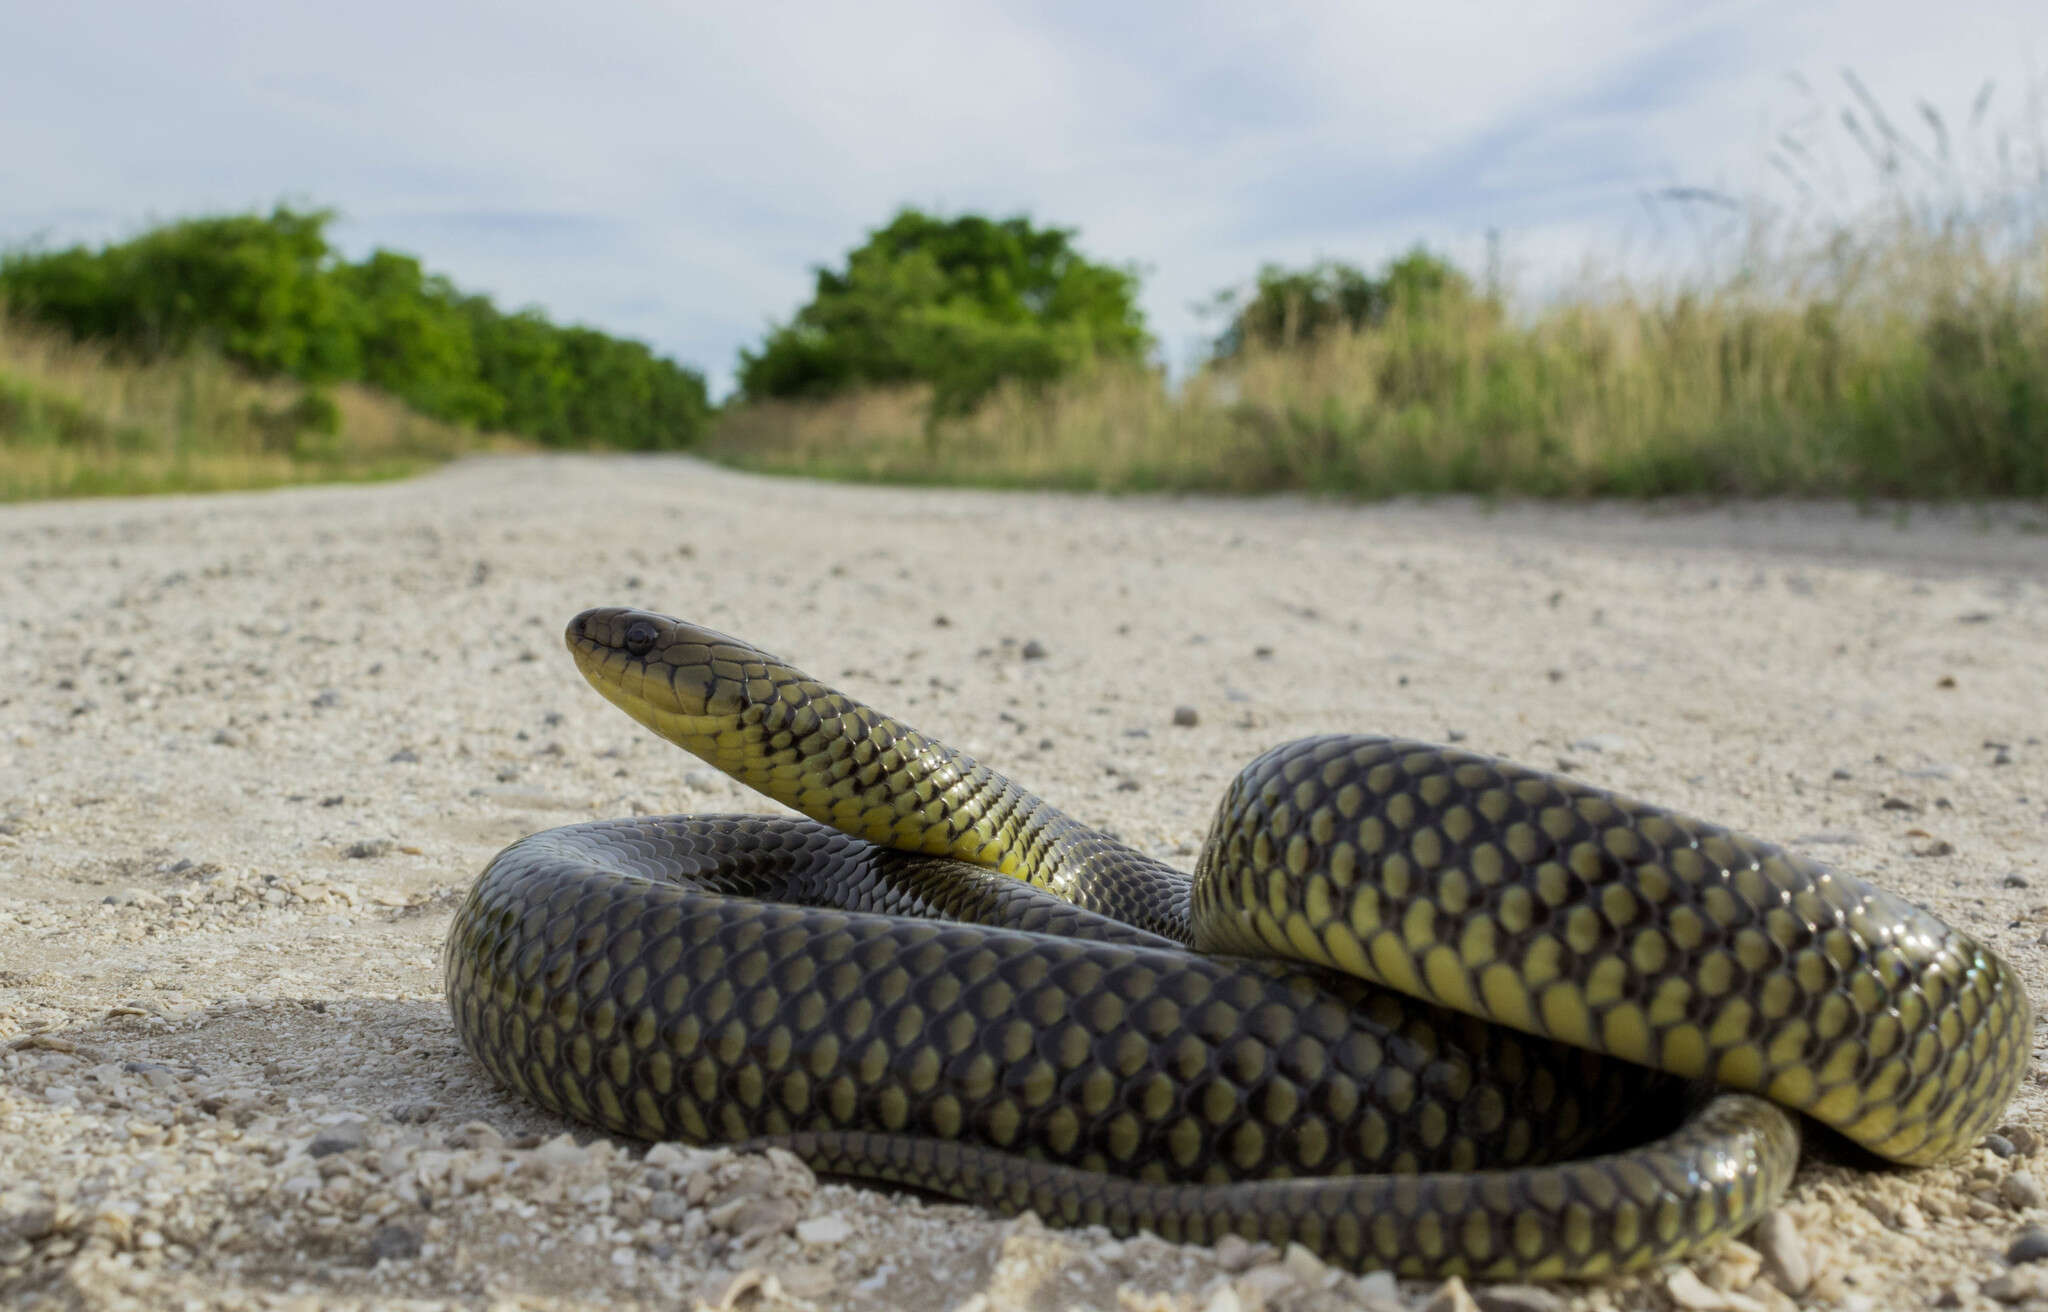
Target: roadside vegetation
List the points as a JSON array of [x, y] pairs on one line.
[[77, 420], [1893, 346], [1899, 349], [242, 350]]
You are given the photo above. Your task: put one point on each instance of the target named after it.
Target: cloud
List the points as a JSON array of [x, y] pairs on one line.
[[674, 172]]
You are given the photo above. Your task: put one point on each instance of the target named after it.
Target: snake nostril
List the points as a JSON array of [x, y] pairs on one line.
[[640, 635]]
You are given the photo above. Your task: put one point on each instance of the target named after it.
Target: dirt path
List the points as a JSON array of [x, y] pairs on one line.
[[253, 747]]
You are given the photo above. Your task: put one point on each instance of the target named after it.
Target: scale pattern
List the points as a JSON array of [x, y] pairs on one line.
[[1060, 1037]]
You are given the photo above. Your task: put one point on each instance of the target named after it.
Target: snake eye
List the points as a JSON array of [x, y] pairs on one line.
[[640, 635]]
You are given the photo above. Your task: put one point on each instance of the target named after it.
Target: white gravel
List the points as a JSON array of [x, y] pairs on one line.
[[253, 748]]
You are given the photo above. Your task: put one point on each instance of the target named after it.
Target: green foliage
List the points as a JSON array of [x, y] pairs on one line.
[[960, 304], [269, 293], [1293, 307]]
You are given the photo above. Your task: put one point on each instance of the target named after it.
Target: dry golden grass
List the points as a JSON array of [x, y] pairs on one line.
[[1904, 353], [76, 422]]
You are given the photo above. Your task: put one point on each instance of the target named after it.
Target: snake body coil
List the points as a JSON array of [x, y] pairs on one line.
[[1062, 1039]]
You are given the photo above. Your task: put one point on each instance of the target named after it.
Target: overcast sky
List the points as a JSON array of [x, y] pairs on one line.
[[672, 172]]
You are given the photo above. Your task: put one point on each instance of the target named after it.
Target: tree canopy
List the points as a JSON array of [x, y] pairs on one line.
[[962, 304], [270, 293], [1289, 307]]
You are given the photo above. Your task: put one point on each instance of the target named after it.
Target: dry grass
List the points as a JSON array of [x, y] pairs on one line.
[[1899, 348], [75, 422], [1920, 369]]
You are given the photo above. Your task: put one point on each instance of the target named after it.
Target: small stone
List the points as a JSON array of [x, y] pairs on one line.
[[1379, 1291], [345, 1137], [2030, 1246], [1235, 1253], [1517, 1298], [27, 1222], [327, 699], [1600, 742], [1451, 1296], [404, 756], [807, 1280], [364, 848], [2019, 1284], [1688, 1290], [393, 1243], [2014, 880], [2020, 1189], [1777, 1238], [666, 1205], [1999, 1145], [1841, 775], [1186, 716], [1305, 1266], [415, 1112], [476, 1134], [2024, 1139], [1034, 650], [228, 737], [670, 1157], [821, 1230]]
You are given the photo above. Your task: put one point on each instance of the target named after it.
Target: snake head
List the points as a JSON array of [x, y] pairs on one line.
[[685, 682]]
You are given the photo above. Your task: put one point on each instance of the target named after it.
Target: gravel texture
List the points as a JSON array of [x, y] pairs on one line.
[[254, 747]]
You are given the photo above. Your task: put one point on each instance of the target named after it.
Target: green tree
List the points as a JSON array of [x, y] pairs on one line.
[[414, 340], [258, 289], [1289, 307], [962, 304], [271, 294]]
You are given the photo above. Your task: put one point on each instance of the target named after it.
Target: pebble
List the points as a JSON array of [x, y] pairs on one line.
[[1783, 1250], [1034, 650], [2021, 1189], [2022, 1138], [1186, 716], [1999, 1145], [346, 1136], [1517, 1298], [394, 1243], [1609, 743], [2014, 880], [819, 1230], [2019, 1285], [2030, 1246], [365, 848], [1451, 1296]]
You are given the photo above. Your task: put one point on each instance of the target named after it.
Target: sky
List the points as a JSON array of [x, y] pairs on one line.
[[675, 172]]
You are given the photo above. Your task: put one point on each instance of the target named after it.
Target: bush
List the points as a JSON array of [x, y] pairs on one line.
[[269, 293], [1293, 307], [960, 304]]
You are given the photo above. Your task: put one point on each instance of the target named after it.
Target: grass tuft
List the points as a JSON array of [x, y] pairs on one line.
[[76, 422]]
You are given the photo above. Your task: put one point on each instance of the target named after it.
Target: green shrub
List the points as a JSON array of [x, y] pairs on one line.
[[960, 304], [270, 294]]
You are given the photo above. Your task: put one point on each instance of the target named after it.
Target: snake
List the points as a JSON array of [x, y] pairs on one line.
[[1416, 1007]]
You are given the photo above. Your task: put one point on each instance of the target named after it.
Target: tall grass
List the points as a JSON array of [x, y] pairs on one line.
[[1899, 350], [75, 421]]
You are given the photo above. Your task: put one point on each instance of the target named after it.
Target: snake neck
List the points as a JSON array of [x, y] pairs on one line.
[[843, 763]]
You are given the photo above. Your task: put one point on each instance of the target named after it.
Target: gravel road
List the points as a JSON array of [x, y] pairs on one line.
[[254, 747]]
